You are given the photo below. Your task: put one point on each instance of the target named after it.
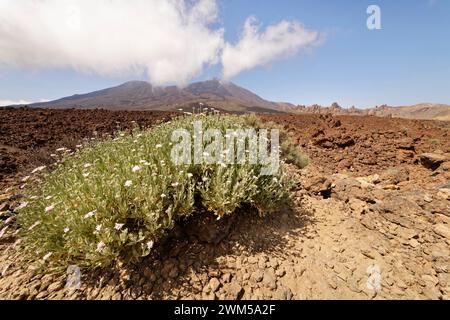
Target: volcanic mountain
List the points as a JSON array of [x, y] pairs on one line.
[[141, 95], [225, 96]]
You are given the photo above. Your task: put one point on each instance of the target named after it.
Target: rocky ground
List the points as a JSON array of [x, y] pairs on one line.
[[370, 220]]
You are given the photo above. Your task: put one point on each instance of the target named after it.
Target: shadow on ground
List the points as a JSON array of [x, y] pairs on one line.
[[182, 265]]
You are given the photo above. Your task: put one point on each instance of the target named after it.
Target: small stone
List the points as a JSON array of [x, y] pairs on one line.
[[442, 230], [209, 296], [55, 286], [234, 291], [42, 295], [226, 278], [368, 253], [257, 276], [116, 296], [269, 279], [414, 243], [273, 263], [262, 262], [252, 260], [214, 284], [280, 273]]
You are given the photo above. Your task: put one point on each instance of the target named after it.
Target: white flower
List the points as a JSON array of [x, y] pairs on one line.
[[53, 155], [25, 179], [22, 205], [66, 230], [122, 134], [150, 245], [139, 135], [61, 149], [90, 214], [190, 175], [48, 197], [86, 174], [47, 256], [79, 146], [175, 184], [275, 179], [135, 168], [34, 225], [38, 169], [163, 195], [158, 146], [181, 172], [205, 178], [50, 208], [128, 183], [205, 154], [142, 161], [118, 226], [100, 246], [98, 227], [154, 174]]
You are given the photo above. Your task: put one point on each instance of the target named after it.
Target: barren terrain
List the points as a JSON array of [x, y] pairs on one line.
[[371, 218]]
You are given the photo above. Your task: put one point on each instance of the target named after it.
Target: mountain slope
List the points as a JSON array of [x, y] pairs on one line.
[[142, 95]]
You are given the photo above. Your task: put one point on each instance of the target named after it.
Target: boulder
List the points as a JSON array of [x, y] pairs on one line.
[[432, 161]]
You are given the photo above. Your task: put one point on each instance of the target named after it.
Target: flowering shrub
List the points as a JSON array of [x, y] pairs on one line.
[[118, 197]]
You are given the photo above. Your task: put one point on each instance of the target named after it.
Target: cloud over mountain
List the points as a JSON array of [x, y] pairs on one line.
[[171, 41]]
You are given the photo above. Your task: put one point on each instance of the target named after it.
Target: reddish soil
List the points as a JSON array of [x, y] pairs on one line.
[[370, 220], [364, 144], [29, 136]]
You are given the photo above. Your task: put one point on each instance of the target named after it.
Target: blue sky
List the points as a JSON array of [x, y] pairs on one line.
[[406, 62]]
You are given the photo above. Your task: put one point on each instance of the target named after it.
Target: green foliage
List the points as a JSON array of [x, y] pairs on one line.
[[117, 197], [290, 152]]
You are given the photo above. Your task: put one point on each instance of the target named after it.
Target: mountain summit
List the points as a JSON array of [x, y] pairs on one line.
[[141, 95]]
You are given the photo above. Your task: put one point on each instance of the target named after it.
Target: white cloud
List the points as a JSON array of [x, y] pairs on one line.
[[7, 102], [258, 48], [170, 40], [4, 103]]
